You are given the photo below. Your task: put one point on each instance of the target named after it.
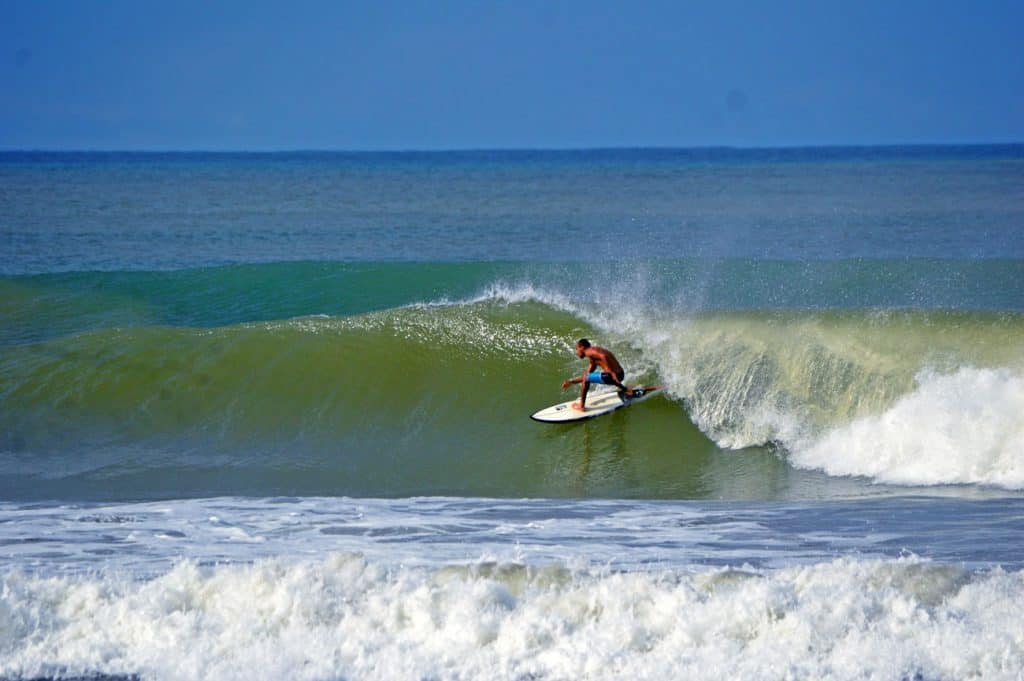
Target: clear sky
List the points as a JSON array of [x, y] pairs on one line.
[[455, 75]]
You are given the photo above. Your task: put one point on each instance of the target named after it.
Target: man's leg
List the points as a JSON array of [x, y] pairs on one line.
[[620, 385]]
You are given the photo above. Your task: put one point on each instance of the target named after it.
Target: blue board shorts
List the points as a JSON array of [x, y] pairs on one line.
[[603, 377]]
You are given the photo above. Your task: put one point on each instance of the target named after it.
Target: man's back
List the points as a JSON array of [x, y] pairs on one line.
[[604, 358]]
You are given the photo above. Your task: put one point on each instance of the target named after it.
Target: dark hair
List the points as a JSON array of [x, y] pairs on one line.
[[583, 343]]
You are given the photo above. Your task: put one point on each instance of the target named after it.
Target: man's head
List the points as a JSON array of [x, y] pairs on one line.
[[581, 347]]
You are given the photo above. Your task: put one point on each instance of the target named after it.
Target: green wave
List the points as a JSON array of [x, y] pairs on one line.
[[280, 376], [428, 399], [434, 399]]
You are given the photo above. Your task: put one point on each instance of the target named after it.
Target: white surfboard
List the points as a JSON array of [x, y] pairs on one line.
[[598, 404]]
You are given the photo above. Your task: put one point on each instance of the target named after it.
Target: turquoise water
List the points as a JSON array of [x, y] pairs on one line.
[[275, 407]]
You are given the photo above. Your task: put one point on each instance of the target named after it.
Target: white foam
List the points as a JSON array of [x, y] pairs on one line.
[[345, 617], [963, 427]]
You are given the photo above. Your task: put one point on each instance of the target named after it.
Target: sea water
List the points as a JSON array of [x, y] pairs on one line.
[[265, 415]]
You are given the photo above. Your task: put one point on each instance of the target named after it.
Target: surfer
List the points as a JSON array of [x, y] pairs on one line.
[[611, 372]]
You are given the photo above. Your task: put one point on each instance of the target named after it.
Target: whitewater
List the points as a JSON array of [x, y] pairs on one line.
[[464, 588]]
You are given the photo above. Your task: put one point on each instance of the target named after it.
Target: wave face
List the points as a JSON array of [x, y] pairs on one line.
[[392, 401], [342, 616], [390, 380]]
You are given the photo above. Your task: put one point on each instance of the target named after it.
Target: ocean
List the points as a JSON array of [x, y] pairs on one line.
[[266, 415]]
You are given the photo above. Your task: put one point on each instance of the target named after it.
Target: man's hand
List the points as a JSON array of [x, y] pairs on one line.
[[566, 383]]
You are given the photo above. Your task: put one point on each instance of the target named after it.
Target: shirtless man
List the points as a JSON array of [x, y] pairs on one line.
[[611, 372]]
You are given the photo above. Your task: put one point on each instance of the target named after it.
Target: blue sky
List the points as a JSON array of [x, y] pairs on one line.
[[457, 75]]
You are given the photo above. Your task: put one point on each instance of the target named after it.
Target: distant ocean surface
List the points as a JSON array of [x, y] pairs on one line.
[[266, 415]]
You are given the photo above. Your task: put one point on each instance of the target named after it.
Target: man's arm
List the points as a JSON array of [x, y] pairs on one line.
[[573, 381]]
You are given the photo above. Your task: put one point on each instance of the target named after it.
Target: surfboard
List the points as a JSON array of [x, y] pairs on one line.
[[598, 404]]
